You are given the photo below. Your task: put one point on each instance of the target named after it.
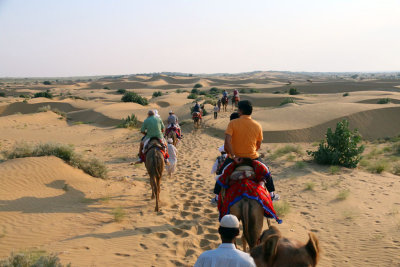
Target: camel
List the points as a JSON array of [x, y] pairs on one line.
[[173, 136], [155, 166], [196, 119], [235, 101], [275, 250], [251, 213], [224, 101]]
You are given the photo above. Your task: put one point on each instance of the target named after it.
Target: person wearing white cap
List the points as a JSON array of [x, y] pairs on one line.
[[226, 254], [173, 158]]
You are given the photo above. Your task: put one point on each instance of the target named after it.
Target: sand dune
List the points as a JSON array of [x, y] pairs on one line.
[[78, 222]]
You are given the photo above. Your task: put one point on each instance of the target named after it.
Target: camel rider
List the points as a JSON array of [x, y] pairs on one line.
[[173, 122], [235, 93], [243, 139], [224, 93], [196, 107], [151, 127]]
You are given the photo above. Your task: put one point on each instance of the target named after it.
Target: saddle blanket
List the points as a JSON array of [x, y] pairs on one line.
[[249, 188]]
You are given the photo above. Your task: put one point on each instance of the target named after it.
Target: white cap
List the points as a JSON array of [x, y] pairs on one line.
[[229, 221], [171, 112], [169, 140], [221, 149]]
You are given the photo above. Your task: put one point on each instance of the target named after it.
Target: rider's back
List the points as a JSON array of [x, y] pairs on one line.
[[153, 127], [245, 133]]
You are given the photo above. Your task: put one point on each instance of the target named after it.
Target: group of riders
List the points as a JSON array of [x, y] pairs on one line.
[[243, 138]]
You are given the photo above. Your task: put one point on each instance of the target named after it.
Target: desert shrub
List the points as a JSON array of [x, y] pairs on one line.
[[378, 166], [286, 150], [334, 169], [43, 94], [309, 186], [253, 91], [197, 85], [287, 101], [203, 93], [340, 147], [192, 96], [396, 169], [210, 101], [346, 94], [121, 91], [2, 94], [157, 94], [195, 91], [243, 91], [343, 194], [282, 208], [293, 91], [44, 108], [179, 91], [46, 82], [118, 214], [300, 164], [214, 91], [106, 88], [276, 92], [90, 166], [32, 259], [383, 101], [59, 112], [23, 96], [129, 122], [205, 112], [133, 97]]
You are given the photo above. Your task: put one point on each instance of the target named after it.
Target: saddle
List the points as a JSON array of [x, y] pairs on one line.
[[196, 115], [242, 172], [154, 142]]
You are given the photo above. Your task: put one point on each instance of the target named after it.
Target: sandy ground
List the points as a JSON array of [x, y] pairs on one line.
[[47, 204]]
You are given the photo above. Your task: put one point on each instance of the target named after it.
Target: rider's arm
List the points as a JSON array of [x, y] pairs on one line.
[[228, 145], [258, 145]]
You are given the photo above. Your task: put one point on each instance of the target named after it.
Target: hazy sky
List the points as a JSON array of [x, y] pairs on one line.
[[95, 37]]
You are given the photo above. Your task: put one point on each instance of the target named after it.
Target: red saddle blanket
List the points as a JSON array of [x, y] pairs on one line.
[[172, 129], [196, 115], [163, 151], [249, 188]]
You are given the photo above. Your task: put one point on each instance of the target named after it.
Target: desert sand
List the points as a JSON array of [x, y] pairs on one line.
[[46, 204]]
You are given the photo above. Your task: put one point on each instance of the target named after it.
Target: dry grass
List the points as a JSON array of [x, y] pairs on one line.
[[33, 258], [282, 208], [118, 214], [92, 166], [286, 150], [309, 186], [334, 169], [343, 195]]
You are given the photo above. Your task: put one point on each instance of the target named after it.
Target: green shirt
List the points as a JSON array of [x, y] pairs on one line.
[[153, 127]]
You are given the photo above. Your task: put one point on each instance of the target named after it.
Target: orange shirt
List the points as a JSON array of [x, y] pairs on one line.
[[245, 133]]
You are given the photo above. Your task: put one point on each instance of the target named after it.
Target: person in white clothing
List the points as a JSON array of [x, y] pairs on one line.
[[173, 158], [226, 254]]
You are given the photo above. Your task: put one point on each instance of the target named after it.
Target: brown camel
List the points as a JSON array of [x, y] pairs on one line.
[[235, 101], [251, 213], [155, 166], [196, 119], [172, 135], [224, 101], [275, 250]]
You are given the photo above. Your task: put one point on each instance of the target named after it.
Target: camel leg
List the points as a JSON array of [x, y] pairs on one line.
[[152, 187], [158, 195], [244, 242]]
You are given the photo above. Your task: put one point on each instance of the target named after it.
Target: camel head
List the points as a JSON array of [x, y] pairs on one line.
[[275, 250]]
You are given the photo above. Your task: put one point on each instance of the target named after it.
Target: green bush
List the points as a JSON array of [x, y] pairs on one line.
[[287, 100], [383, 101], [133, 97], [242, 91], [32, 259], [43, 94], [106, 87], [195, 91], [2, 94], [197, 85], [203, 93], [44, 108], [346, 94], [46, 82], [23, 96], [129, 122], [157, 94], [121, 91], [214, 91], [91, 166], [340, 147], [192, 96], [252, 91], [293, 91]]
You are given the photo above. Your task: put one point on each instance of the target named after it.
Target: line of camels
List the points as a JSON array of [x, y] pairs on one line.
[[268, 248]]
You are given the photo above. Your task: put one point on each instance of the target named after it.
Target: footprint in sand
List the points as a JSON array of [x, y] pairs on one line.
[[204, 242], [211, 236], [161, 235], [143, 246]]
